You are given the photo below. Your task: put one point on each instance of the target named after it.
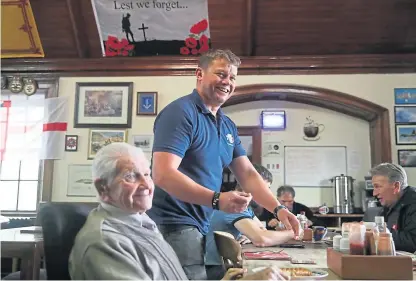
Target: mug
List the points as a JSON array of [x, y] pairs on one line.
[[323, 210], [319, 232]]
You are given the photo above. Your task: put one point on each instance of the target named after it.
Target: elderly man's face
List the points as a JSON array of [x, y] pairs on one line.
[[287, 200], [386, 192], [132, 188]]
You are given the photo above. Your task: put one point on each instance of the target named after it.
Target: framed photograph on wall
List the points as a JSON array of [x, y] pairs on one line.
[[406, 134], [407, 157], [71, 143], [405, 96], [405, 114], [80, 182], [105, 105], [146, 103], [145, 142], [100, 138]]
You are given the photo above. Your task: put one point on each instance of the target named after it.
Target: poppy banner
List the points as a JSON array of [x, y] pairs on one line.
[[152, 27]]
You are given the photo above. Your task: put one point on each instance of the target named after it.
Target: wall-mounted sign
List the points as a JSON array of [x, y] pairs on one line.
[[145, 28]]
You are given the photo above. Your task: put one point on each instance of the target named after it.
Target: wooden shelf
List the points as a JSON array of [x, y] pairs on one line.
[[339, 215]]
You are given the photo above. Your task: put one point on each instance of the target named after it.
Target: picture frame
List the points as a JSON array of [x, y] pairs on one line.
[[405, 96], [71, 143], [101, 137], [406, 157], [406, 134], [80, 182], [405, 114], [145, 142], [103, 105], [146, 103]]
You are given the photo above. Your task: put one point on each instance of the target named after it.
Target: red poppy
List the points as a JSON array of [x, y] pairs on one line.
[[199, 27]]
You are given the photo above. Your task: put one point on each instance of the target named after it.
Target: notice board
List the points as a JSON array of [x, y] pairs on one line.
[[314, 166]]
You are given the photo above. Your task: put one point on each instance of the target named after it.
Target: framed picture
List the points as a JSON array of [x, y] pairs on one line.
[[407, 157], [100, 138], [405, 114], [105, 105], [406, 134], [71, 143], [146, 103], [145, 142], [405, 96], [80, 182]]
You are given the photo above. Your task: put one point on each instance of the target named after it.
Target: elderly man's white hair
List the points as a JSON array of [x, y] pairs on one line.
[[105, 161], [392, 171]]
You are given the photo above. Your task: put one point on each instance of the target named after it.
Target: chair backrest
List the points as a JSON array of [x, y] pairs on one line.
[[229, 249], [60, 221]]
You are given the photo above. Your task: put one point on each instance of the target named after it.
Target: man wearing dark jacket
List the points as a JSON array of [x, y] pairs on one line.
[[286, 196], [399, 204]]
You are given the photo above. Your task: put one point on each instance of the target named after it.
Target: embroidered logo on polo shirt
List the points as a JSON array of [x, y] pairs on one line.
[[230, 139]]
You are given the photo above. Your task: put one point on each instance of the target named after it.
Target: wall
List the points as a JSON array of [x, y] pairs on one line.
[[340, 130], [377, 88]]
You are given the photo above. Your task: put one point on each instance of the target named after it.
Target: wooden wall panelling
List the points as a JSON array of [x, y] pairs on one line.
[[226, 24], [302, 27], [55, 29], [148, 66]]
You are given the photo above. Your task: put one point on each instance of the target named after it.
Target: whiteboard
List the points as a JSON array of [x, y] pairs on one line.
[[314, 166]]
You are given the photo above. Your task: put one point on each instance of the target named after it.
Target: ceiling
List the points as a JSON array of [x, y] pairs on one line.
[[67, 28]]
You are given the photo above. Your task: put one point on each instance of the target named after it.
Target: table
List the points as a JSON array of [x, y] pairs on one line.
[[317, 252], [26, 246]]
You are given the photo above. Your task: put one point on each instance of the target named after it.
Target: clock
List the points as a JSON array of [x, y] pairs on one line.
[[29, 86]]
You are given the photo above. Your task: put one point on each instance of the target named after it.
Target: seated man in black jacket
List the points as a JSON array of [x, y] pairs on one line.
[[399, 204], [286, 196]]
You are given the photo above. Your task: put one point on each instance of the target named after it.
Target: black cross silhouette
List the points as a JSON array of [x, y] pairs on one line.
[[144, 32]]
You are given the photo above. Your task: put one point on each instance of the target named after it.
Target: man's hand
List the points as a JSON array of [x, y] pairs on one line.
[[234, 201], [234, 273], [273, 223], [289, 220], [270, 273]]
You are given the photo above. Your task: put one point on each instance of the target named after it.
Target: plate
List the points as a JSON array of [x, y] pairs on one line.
[[316, 273]]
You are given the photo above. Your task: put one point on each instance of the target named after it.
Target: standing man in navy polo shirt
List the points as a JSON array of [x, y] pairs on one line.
[[193, 142]]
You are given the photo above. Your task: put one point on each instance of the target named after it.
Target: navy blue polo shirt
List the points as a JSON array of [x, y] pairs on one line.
[[206, 145]]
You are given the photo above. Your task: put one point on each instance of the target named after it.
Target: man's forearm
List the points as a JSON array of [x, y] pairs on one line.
[[254, 184], [268, 238], [184, 188]]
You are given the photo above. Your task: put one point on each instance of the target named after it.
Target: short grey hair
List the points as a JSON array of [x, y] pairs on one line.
[[105, 162], [286, 188], [392, 171], [208, 57]]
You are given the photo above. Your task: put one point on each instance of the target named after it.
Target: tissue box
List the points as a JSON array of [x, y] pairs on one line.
[[370, 267]]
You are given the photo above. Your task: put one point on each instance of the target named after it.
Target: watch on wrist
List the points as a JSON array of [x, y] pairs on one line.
[[277, 209], [216, 201]]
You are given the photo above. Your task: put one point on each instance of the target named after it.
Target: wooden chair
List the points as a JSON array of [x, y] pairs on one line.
[[229, 249]]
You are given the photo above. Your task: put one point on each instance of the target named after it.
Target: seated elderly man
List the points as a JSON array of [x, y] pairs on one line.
[[118, 240], [399, 204], [286, 195]]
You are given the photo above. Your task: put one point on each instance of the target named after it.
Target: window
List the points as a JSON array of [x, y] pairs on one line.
[[20, 142]]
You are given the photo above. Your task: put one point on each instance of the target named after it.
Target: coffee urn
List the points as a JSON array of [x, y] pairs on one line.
[[343, 194]]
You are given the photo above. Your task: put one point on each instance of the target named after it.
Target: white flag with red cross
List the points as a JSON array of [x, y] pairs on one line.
[[54, 128]]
